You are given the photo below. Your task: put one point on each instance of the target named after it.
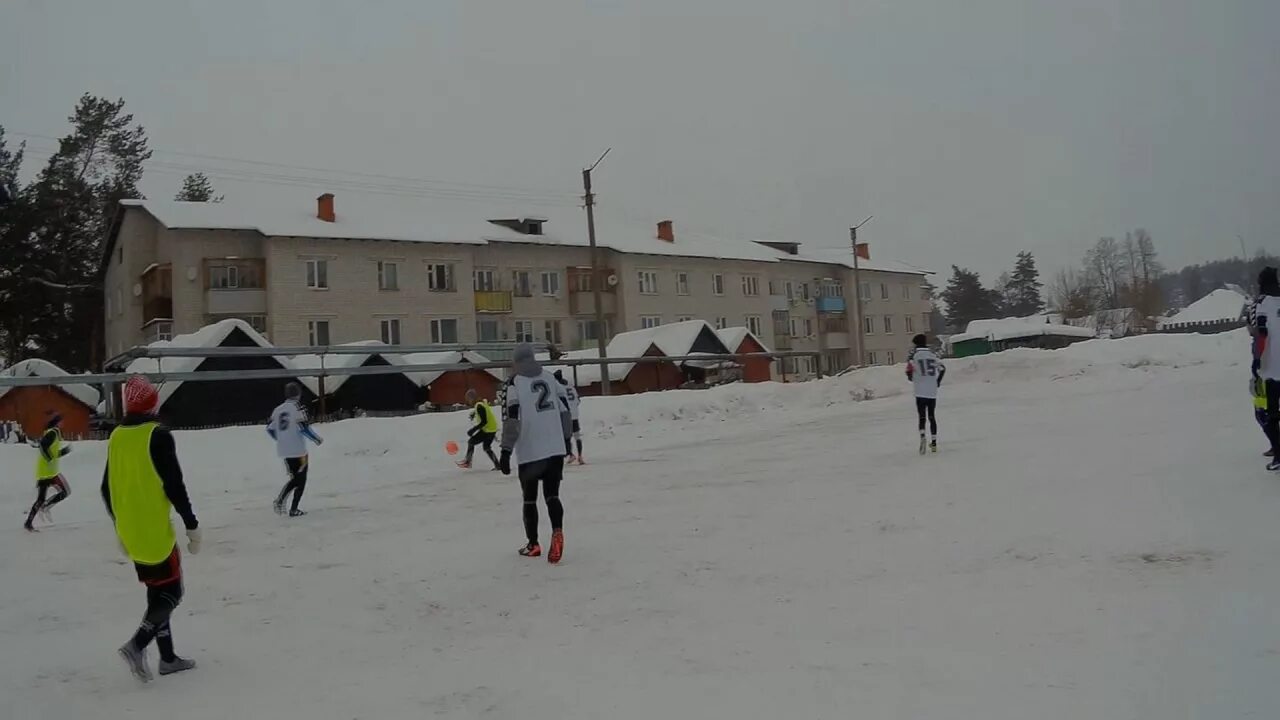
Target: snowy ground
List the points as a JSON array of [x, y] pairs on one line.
[[1097, 539]]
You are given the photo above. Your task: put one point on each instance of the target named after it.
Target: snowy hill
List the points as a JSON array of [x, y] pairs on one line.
[[1095, 540]]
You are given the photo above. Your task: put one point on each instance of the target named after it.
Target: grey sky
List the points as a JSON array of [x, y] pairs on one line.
[[971, 130]]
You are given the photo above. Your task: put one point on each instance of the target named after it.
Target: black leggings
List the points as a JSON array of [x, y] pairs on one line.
[[297, 468], [164, 593], [485, 439], [549, 472], [42, 490], [925, 407], [1272, 428]]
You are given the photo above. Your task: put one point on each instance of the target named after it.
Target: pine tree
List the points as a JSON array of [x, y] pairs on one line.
[[196, 187], [1022, 289], [59, 232], [967, 300]]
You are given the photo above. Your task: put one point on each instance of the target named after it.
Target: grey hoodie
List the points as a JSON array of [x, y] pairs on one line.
[[524, 362]]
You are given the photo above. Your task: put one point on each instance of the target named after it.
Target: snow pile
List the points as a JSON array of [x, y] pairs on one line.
[[1221, 305], [1017, 327], [36, 367]]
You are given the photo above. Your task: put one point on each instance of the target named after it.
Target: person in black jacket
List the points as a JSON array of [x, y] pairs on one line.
[[141, 482]]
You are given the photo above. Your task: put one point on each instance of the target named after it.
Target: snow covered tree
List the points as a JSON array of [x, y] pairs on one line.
[[967, 299], [196, 187]]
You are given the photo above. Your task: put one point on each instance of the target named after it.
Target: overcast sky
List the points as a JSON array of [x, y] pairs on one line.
[[971, 130]]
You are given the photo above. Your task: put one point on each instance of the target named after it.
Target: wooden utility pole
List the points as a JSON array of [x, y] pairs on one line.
[[589, 199], [857, 294]]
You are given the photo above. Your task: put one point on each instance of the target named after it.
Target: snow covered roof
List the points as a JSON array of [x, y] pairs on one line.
[[672, 340], [448, 357], [209, 336], [844, 256], [36, 367], [732, 338], [1222, 304], [1015, 327]]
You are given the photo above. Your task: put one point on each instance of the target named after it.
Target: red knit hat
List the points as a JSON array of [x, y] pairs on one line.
[[140, 396]]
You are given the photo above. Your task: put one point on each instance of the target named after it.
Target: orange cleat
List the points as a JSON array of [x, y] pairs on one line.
[[533, 549], [557, 547]]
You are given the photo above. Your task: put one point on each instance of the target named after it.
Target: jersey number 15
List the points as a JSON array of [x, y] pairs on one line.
[[928, 368]]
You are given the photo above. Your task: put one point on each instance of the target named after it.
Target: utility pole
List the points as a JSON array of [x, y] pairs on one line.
[[589, 200], [857, 294]]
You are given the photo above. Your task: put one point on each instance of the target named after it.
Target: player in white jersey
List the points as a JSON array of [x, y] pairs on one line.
[[925, 372], [537, 429], [289, 428], [1266, 355], [575, 408]]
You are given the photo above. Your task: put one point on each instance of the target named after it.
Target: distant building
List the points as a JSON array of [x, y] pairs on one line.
[[1036, 331], [31, 406], [1221, 310]]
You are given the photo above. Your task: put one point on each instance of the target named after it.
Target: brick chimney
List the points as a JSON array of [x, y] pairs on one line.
[[324, 208], [666, 231]]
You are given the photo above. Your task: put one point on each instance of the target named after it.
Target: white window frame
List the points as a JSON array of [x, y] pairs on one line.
[[754, 324], [314, 333], [789, 289], [389, 330], [888, 357], [682, 283], [317, 274], [497, 328], [491, 280], [230, 274], [794, 327], [550, 283], [650, 321], [909, 322], [871, 357], [888, 324], [647, 282], [869, 325], [584, 324], [906, 292], [751, 285], [804, 291], [808, 327], [388, 276], [521, 283], [435, 330], [722, 323], [524, 331], [717, 284], [551, 332], [884, 291], [450, 283], [684, 318]]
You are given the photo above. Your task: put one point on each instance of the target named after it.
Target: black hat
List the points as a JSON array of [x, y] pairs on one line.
[[293, 391], [920, 340], [1268, 283]]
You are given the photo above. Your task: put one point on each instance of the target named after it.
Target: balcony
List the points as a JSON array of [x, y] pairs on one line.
[[831, 304], [157, 308], [493, 301], [581, 295], [235, 301]]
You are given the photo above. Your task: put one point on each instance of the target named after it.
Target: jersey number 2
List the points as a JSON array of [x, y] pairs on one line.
[[282, 423], [544, 393]]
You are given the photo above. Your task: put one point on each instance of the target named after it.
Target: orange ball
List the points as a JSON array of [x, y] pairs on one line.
[[451, 447]]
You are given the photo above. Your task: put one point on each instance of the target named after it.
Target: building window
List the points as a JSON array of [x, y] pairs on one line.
[[717, 284], [650, 321], [224, 277], [909, 324], [773, 287], [888, 324], [317, 332], [722, 323], [869, 325], [440, 278], [871, 357], [794, 329], [750, 285], [551, 331], [524, 331], [587, 331], [648, 282], [551, 283], [484, 281], [924, 292], [804, 291], [753, 324], [789, 290], [388, 276], [161, 331], [682, 283], [808, 327], [521, 284], [488, 331], [683, 318], [906, 295], [864, 290], [888, 357], [884, 291], [318, 274], [390, 331], [444, 331]]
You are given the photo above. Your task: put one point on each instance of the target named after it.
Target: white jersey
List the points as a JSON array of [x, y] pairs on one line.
[[574, 401], [925, 370], [539, 400], [1267, 315], [288, 422]]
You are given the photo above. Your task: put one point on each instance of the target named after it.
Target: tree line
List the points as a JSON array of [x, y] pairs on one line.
[[1016, 294], [53, 229]]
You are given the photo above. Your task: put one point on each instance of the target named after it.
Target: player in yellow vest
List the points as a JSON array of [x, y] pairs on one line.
[[48, 474], [142, 483], [483, 432]]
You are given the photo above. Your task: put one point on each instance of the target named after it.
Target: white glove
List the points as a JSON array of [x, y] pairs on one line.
[[193, 541]]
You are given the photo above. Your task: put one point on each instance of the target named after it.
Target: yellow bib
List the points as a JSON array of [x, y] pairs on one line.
[[137, 495], [46, 469], [491, 420]]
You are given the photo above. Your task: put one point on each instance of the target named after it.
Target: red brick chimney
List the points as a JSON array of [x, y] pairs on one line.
[[324, 208], [666, 231]]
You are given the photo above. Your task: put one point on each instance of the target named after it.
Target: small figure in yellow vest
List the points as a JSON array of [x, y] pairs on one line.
[[141, 484], [1257, 388], [483, 432], [51, 449]]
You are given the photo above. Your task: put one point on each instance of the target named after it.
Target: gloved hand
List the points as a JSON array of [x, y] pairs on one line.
[[193, 541], [504, 462], [66, 450], [471, 432]]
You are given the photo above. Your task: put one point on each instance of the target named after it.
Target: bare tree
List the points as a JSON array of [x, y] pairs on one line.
[[1106, 271], [1071, 294]]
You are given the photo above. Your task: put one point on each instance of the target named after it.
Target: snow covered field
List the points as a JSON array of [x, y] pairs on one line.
[[1097, 539]]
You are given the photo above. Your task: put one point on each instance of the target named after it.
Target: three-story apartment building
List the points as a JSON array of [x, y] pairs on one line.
[[319, 277]]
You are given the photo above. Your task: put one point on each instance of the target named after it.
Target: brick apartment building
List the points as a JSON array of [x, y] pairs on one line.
[[316, 275]]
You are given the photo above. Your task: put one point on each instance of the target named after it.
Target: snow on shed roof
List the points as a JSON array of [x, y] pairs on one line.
[[209, 336], [1016, 327], [448, 357], [35, 367], [1220, 305], [732, 338], [672, 340]]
